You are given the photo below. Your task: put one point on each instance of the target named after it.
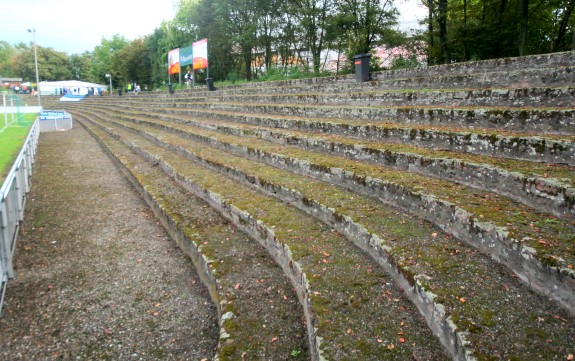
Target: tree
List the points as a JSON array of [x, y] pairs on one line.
[[102, 58], [238, 19], [7, 53], [313, 15], [132, 64], [81, 66], [52, 65], [563, 13], [366, 23]]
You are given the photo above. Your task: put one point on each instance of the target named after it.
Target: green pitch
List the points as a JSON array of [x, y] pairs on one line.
[[11, 140]]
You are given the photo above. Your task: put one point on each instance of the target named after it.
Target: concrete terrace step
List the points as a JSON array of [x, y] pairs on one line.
[[432, 265], [318, 261], [534, 270], [528, 71], [490, 142], [551, 188], [340, 93], [222, 254], [491, 66], [542, 120], [526, 119]]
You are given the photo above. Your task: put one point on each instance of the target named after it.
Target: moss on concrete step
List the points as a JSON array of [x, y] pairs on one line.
[[439, 263], [343, 283], [223, 256]]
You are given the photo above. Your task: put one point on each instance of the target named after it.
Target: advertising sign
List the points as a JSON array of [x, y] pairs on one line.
[[174, 61], [200, 52], [186, 56]]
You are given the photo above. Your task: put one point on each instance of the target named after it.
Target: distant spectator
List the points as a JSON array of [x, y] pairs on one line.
[[189, 77]]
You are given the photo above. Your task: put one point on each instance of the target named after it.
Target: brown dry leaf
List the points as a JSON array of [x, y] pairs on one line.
[[27, 248], [390, 346], [462, 300], [274, 339], [237, 286], [570, 357], [402, 340], [325, 253]]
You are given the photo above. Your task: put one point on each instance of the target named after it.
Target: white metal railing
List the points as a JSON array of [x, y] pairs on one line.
[[12, 200]]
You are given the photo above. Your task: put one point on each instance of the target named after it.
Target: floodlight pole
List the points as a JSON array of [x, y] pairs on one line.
[[110, 77], [33, 31]]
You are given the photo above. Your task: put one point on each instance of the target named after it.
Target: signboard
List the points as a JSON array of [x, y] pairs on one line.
[[54, 115], [52, 120], [200, 52], [174, 61], [186, 56]]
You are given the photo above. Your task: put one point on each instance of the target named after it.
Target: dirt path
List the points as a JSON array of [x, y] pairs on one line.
[[96, 275]]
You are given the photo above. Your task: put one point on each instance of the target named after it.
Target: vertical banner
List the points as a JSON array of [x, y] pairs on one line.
[[174, 61], [200, 52], [186, 56]]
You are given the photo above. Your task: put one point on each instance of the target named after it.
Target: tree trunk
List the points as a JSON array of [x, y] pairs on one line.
[[499, 42], [430, 29], [442, 20], [562, 31], [523, 27], [465, 51]]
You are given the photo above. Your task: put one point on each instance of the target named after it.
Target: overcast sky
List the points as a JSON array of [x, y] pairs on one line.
[[75, 26]]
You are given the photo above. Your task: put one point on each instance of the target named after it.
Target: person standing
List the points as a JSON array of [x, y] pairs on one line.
[[188, 77]]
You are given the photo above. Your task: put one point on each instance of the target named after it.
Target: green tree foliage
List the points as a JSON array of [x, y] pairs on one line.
[[55, 64], [131, 64], [485, 29], [7, 53], [80, 67], [102, 63], [248, 38], [365, 23]]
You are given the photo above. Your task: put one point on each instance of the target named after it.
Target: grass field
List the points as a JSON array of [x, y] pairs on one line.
[[11, 141]]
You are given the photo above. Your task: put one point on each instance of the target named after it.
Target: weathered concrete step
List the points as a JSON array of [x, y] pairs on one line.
[[344, 95], [534, 120], [491, 142], [224, 257], [334, 94], [341, 287], [550, 188], [547, 187], [514, 78], [535, 246], [534, 70], [347, 209]]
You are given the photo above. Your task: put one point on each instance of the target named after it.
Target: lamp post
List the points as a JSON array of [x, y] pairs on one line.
[[33, 31], [109, 76]]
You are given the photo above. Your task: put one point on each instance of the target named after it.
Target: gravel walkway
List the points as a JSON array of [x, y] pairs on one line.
[[96, 275]]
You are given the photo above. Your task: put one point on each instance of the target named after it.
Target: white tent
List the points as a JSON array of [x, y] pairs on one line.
[[75, 87]]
